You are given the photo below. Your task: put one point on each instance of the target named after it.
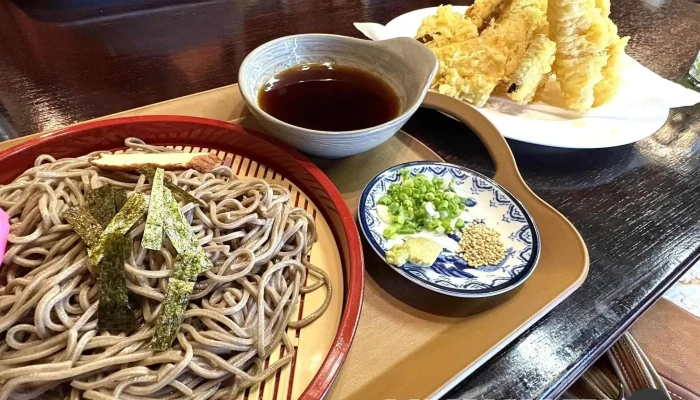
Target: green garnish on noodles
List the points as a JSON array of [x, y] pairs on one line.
[[84, 224], [114, 312], [153, 232], [102, 203], [132, 212], [180, 193], [171, 313]]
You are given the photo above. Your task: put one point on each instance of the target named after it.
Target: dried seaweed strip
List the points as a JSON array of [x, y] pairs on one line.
[[101, 204], [180, 193], [134, 209], [180, 234], [114, 313], [186, 267], [169, 319], [119, 199], [84, 224], [153, 233]]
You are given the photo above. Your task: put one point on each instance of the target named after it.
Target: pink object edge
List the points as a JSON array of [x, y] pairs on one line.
[[4, 232]]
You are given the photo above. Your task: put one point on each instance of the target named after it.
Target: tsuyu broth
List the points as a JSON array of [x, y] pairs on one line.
[[329, 97]]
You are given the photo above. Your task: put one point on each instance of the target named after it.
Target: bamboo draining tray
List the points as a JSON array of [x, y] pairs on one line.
[[413, 343]]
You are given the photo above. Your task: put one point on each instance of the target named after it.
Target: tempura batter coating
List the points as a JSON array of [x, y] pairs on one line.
[[533, 70], [513, 47], [482, 12], [581, 33], [605, 90], [445, 28], [514, 29], [469, 70]]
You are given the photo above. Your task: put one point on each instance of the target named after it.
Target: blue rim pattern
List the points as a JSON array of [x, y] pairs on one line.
[[450, 274]]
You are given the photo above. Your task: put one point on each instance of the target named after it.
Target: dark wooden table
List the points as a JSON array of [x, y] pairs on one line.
[[637, 206]]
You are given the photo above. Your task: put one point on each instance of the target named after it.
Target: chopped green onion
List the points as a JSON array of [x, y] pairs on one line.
[[416, 200], [394, 208], [447, 224], [406, 231], [459, 224], [390, 231], [433, 224]]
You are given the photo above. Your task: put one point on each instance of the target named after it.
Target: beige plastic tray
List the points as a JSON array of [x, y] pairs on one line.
[[413, 343]]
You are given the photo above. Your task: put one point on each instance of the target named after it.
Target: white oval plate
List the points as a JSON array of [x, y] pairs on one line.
[[629, 117], [488, 203]]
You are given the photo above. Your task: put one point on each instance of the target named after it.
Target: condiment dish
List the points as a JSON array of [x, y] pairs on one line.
[[487, 203]]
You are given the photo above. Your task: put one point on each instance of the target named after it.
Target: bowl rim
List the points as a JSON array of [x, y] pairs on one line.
[[254, 105], [478, 293], [328, 371]]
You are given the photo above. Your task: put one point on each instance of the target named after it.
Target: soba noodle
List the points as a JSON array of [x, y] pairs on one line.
[[238, 312]]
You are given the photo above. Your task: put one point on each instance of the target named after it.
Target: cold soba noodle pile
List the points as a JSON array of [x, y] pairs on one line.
[[53, 344]]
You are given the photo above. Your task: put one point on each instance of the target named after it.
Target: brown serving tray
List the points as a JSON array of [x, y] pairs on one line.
[[411, 342]]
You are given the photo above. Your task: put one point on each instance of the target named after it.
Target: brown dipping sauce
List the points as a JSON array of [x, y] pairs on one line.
[[329, 97]]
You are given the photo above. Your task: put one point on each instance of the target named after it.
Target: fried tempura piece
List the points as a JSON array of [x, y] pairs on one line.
[[604, 7], [607, 87], [445, 28], [482, 12], [581, 34], [513, 31], [533, 70], [469, 70]]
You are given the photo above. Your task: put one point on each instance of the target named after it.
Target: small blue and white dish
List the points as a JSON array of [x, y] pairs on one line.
[[487, 202]]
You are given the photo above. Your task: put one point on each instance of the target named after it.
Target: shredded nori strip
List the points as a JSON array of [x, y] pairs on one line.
[[119, 199], [180, 234], [186, 267], [180, 193], [114, 312], [134, 209], [101, 204], [190, 261], [153, 233], [84, 224], [171, 313]]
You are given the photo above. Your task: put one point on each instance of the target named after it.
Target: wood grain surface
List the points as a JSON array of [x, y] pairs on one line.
[[636, 206]]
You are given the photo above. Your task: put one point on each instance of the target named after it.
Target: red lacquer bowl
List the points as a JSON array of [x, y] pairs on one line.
[[205, 133]]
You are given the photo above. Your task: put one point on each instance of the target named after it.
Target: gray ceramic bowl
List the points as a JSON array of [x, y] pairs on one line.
[[404, 63]]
